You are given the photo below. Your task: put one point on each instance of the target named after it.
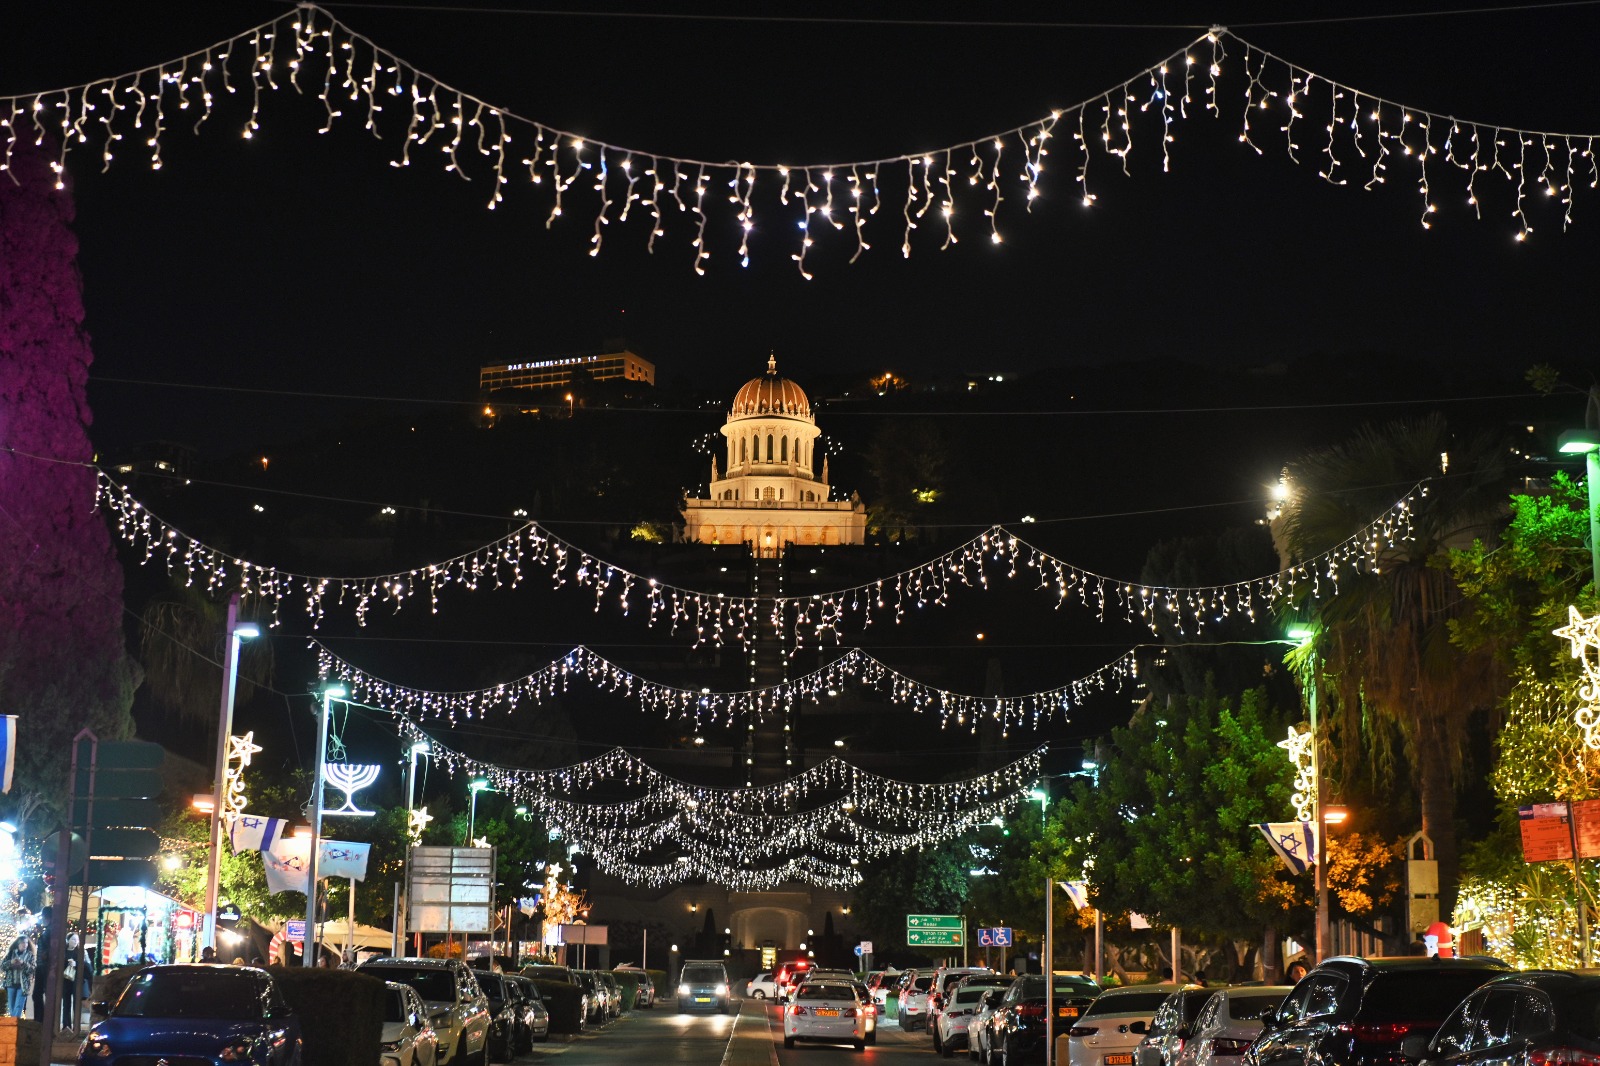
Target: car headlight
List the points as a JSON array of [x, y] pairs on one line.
[[238, 1051], [95, 1046], [683, 990], [722, 990]]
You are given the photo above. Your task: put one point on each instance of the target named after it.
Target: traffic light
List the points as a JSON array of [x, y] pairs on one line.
[[114, 810]]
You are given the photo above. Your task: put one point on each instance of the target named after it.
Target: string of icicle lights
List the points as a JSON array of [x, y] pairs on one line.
[[707, 708], [716, 618], [1348, 134], [817, 826]]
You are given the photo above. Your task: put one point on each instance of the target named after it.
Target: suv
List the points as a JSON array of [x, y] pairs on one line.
[[457, 1008], [1170, 1027], [944, 979], [703, 983], [1356, 1012]]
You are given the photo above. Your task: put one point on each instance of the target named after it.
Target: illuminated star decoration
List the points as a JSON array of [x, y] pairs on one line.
[[480, 842], [1298, 747], [240, 749], [416, 823], [351, 778], [1584, 633]]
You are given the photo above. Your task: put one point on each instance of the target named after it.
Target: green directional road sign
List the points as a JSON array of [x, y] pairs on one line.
[[129, 755], [124, 843], [117, 812], [118, 784], [934, 938], [127, 873], [934, 921]]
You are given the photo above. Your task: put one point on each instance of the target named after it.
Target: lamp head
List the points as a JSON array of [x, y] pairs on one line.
[[1301, 633], [1578, 442], [247, 631], [334, 691], [420, 748], [479, 784]]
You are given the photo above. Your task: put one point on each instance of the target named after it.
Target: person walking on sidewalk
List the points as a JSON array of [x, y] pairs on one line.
[[18, 967]]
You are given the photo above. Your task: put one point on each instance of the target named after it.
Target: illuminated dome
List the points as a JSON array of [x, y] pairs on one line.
[[770, 394]]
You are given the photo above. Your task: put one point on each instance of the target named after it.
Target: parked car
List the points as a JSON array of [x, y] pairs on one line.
[[703, 984], [1229, 1022], [196, 1013], [761, 986], [595, 1010], [1016, 1032], [960, 1008], [1538, 1017], [914, 1001], [509, 1023], [539, 1014], [944, 978], [881, 985], [868, 1008], [457, 1008], [1355, 1012], [613, 993], [828, 1011], [1170, 1027], [407, 1039], [982, 1023], [645, 994]]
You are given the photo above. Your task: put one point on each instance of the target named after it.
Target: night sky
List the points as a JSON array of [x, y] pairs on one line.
[[250, 288]]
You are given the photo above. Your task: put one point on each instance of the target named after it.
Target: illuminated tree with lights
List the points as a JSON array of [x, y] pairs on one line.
[[63, 663]]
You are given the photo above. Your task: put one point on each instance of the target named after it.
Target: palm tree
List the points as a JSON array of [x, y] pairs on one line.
[[1387, 666], [182, 634]]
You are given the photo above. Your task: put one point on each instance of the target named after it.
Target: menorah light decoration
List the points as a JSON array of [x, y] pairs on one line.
[[350, 778]]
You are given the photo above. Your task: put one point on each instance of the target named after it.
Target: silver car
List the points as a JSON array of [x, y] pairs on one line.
[[1229, 1023], [1109, 1032], [458, 1010], [407, 1039]]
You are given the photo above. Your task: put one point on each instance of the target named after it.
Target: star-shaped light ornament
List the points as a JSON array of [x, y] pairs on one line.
[[1298, 747], [1584, 633], [240, 750], [417, 822]]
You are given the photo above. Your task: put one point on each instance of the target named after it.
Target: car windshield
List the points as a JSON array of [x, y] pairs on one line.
[[1132, 1003], [701, 975], [438, 986], [1419, 995], [209, 993], [1252, 1008]]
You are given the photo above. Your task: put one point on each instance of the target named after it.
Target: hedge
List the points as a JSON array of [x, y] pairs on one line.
[[564, 1001], [628, 982], [340, 1012]]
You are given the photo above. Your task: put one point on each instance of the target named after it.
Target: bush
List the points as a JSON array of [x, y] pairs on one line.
[[628, 982], [564, 1001], [659, 979], [340, 1012]]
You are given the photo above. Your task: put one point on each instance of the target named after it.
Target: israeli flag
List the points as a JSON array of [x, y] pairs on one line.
[[254, 832], [341, 858], [1077, 892], [8, 750], [1295, 843]]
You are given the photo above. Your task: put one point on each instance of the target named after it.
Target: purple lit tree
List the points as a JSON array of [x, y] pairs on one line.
[[63, 659]]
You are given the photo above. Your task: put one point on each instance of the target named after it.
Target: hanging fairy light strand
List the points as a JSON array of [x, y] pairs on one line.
[[707, 708], [355, 80], [814, 827], [718, 619]]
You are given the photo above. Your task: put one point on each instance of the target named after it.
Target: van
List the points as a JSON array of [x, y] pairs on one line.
[[703, 983]]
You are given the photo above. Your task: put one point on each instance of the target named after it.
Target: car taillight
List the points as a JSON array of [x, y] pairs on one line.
[[797, 1009], [1082, 1030], [1030, 1010], [1562, 1056], [1224, 1046], [848, 1012], [1382, 1032], [959, 1013], [869, 1009]]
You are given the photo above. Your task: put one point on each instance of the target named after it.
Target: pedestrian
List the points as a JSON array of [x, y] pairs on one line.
[[1200, 978], [18, 967], [69, 983], [208, 954], [42, 970], [1296, 970]]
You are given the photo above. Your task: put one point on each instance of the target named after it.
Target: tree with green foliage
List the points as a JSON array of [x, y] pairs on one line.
[[1385, 662], [934, 880]]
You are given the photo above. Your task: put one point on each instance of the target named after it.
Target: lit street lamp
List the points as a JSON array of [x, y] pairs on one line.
[[238, 632], [1302, 636], [330, 692], [1586, 442], [479, 784]]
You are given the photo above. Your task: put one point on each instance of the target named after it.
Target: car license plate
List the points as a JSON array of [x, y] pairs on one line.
[[1119, 1060], [702, 999], [827, 1012], [1066, 1012]]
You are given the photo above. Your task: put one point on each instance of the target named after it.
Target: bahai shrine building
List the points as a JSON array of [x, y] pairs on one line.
[[770, 493]]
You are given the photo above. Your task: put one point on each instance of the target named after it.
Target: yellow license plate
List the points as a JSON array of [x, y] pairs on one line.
[[1119, 1060], [827, 1012], [1066, 1012], [702, 999]]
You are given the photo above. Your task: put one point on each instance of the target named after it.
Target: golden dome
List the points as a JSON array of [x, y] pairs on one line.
[[770, 394]]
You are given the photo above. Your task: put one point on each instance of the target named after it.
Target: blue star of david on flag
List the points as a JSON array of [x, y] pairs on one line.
[[1293, 842]]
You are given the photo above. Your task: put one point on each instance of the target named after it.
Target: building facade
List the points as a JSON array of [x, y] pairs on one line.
[[557, 373], [770, 491]]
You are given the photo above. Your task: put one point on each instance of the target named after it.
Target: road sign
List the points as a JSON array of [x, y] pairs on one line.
[[129, 755], [859, 952], [934, 938], [866, 947], [118, 784], [935, 921], [123, 873], [295, 929], [999, 937], [124, 843], [117, 812]]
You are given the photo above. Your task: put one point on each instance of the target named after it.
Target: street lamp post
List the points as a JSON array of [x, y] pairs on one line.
[[478, 785], [419, 748], [1303, 636], [330, 692], [238, 632]]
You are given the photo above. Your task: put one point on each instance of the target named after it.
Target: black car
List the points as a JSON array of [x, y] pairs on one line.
[[510, 1028], [595, 1010], [1541, 1018], [1171, 1027], [1016, 1034], [1356, 1012]]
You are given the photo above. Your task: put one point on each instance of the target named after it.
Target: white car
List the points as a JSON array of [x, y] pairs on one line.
[[1109, 1032], [408, 1039], [827, 1011], [761, 986], [914, 1002], [456, 1007], [958, 1012], [1228, 1023], [815, 974]]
